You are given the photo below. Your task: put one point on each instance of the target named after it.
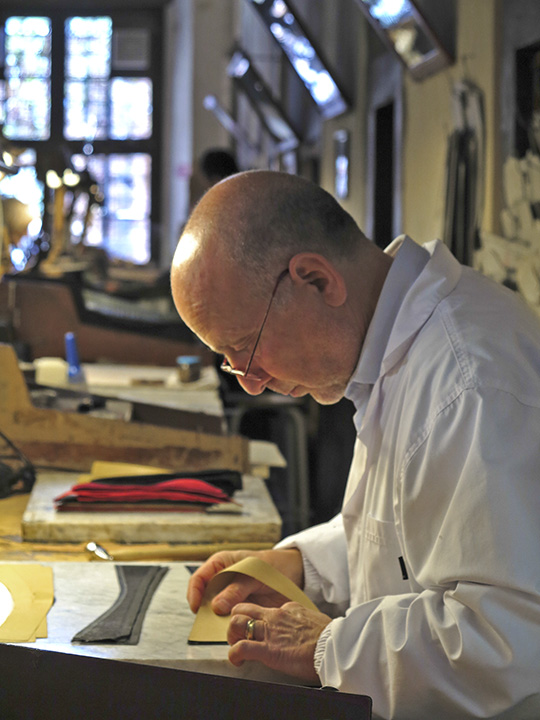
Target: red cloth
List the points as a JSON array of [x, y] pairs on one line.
[[179, 490]]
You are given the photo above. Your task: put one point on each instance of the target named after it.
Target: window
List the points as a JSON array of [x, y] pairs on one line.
[[82, 93]]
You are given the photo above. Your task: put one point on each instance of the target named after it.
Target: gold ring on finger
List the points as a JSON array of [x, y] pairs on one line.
[[250, 629]]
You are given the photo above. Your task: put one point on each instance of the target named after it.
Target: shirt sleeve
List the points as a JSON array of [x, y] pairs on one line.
[[464, 642], [324, 555]]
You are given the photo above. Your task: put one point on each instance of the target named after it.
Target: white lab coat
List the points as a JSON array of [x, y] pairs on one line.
[[445, 476]]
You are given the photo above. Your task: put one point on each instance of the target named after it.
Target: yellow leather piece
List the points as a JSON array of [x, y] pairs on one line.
[[32, 591], [105, 469], [211, 628]]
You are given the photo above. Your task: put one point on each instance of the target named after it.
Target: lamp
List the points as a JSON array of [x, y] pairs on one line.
[[405, 30]]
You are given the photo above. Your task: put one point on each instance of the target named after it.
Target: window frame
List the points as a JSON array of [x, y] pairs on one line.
[[149, 14]]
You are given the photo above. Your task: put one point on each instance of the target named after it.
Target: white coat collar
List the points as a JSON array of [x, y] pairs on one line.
[[418, 279]]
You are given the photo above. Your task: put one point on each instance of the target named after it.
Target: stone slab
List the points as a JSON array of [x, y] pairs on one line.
[[257, 521]]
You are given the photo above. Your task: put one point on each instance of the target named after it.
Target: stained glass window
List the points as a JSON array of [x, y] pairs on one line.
[[26, 85], [96, 105], [107, 100], [87, 69], [131, 106]]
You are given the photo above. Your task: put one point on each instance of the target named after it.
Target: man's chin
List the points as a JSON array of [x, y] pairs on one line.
[[326, 399], [298, 392], [324, 396]]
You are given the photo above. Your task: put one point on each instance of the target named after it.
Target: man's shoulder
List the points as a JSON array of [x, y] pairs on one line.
[[488, 332]]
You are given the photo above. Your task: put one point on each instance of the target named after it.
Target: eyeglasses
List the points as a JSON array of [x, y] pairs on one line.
[[225, 365]]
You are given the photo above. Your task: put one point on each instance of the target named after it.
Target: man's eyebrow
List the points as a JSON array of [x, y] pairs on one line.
[[212, 349], [220, 350], [240, 344]]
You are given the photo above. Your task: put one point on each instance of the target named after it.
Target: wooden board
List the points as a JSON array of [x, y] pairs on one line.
[[259, 521], [42, 311], [54, 438]]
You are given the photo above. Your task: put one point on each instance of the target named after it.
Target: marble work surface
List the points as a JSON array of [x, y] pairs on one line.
[[83, 591], [257, 520]]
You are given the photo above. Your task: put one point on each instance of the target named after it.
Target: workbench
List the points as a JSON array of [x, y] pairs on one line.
[[84, 587], [84, 591]]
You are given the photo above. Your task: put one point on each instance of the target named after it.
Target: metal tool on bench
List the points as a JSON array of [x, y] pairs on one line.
[[164, 551]]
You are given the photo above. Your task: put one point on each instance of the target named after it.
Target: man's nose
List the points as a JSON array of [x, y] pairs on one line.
[[256, 384]]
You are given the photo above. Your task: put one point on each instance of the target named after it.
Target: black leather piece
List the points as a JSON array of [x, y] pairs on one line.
[[122, 622]]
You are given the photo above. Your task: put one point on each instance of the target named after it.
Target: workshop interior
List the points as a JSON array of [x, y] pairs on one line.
[[122, 442]]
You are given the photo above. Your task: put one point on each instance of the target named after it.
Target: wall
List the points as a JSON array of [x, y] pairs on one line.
[[177, 130], [214, 31], [355, 122], [203, 35], [428, 124]]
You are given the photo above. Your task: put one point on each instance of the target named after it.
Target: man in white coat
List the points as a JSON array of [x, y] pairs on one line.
[[428, 582]]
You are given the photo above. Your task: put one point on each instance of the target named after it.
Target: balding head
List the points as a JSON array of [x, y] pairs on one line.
[[244, 233], [259, 219], [263, 218]]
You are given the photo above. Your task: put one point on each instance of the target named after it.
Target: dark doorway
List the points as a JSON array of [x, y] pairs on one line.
[[384, 176], [527, 99]]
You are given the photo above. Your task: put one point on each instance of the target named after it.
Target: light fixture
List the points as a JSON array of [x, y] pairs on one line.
[[271, 114], [305, 58], [405, 30], [53, 180]]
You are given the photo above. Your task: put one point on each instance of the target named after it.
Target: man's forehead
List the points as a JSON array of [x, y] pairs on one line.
[[185, 251], [211, 296], [219, 320], [226, 330]]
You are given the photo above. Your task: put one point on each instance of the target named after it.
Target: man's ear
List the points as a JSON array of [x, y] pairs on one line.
[[316, 270]]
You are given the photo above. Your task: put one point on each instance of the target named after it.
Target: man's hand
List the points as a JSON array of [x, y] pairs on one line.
[[284, 638], [242, 588]]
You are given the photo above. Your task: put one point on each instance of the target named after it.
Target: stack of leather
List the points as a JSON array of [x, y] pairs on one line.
[[163, 492]]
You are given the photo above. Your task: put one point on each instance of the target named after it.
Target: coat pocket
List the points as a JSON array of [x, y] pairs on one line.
[[383, 568]]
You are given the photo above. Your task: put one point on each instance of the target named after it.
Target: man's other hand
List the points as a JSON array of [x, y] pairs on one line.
[[242, 587], [282, 638]]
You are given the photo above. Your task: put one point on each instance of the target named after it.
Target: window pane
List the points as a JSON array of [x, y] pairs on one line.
[[3, 86], [131, 108], [27, 109], [87, 69], [26, 91], [130, 240], [122, 225], [88, 47], [85, 108]]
